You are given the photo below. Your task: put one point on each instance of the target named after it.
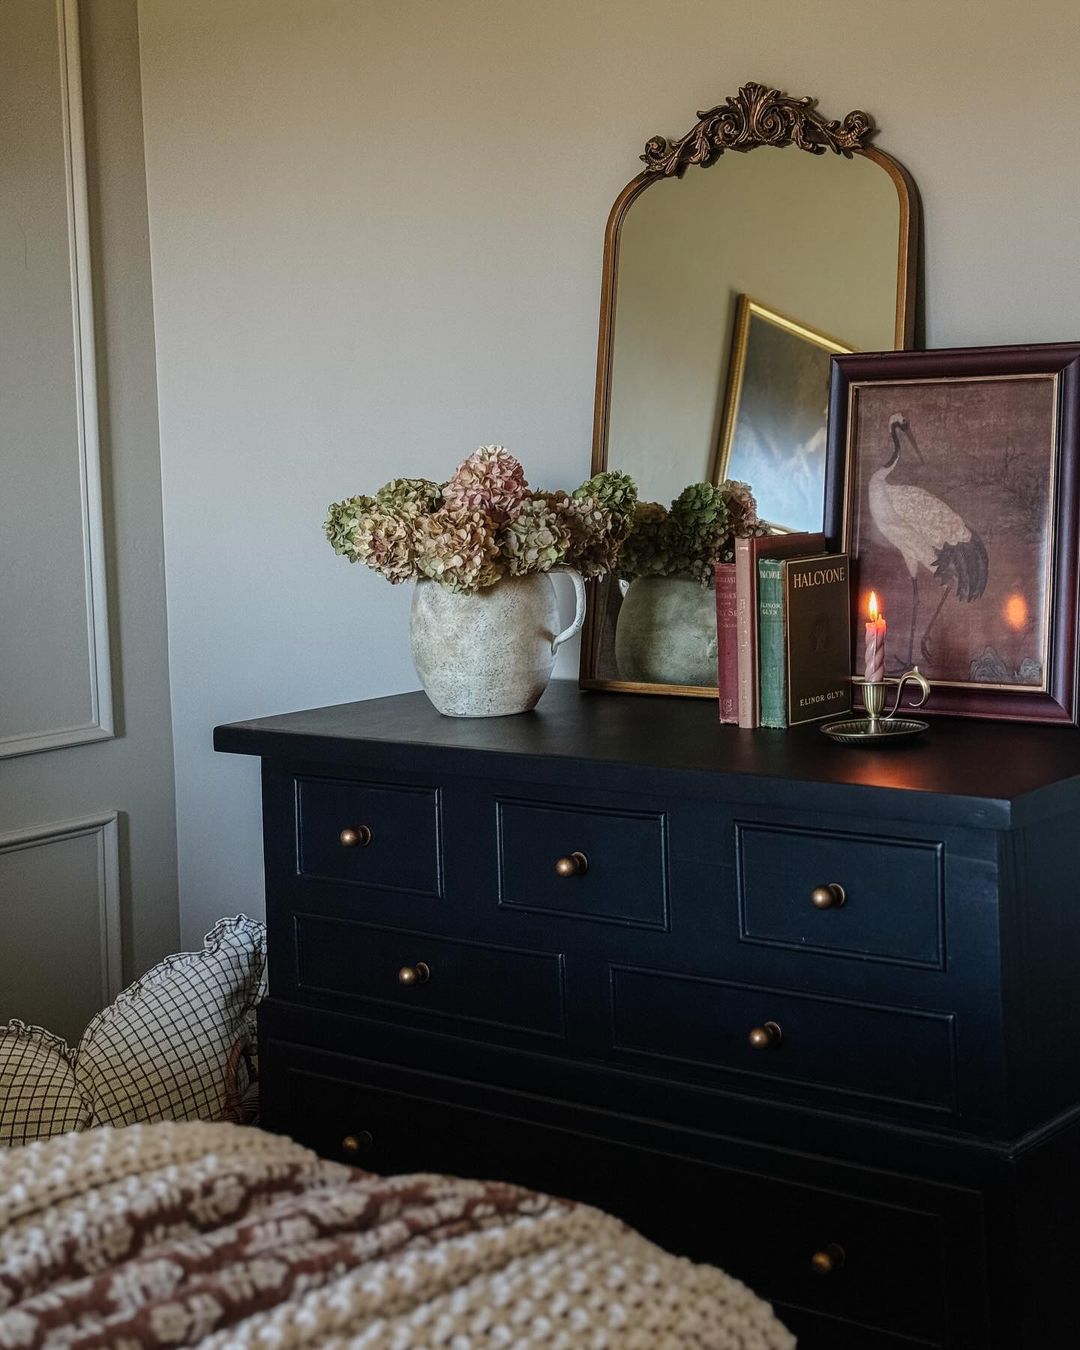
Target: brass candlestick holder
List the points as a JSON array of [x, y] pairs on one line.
[[879, 727]]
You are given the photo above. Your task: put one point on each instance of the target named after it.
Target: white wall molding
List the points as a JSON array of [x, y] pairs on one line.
[[103, 826], [99, 726]]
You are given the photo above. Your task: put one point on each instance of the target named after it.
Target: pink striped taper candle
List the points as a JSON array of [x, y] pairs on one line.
[[874, 651]]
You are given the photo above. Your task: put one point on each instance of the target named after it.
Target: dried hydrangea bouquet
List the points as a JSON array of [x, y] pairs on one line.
[[666, 630], [484, 622]]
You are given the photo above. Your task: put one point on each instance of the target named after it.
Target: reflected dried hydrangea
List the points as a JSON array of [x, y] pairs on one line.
[[698, 526], [457, 549], [742, 509], [698, 532], [491, 481], [535, 540], [646, 550]]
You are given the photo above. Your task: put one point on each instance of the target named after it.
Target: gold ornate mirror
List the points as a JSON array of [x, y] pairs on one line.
[[724, 296]]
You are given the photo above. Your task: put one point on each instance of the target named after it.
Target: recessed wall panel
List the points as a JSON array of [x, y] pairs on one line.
[[54, 671], [59, 958]]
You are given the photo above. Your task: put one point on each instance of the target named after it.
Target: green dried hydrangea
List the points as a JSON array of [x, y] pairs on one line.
[[535, 540], [342, 521], [615, 492], [385, 540], [410, 494], [458, 549]]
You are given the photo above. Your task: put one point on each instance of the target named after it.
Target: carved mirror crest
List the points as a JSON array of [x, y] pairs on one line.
[[724, 297]]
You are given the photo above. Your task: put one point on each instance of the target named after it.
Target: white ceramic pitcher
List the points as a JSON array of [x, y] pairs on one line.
[[491, 652]]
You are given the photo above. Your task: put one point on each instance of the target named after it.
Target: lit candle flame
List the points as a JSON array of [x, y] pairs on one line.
[[872, 607]]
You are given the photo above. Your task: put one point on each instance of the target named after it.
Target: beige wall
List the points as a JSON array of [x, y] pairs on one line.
[[376, 234]]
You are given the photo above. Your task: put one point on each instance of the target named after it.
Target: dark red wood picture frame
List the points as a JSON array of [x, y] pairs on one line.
[[1056, 701]]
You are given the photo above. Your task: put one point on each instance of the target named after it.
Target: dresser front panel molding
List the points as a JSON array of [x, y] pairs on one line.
[[754, 993]]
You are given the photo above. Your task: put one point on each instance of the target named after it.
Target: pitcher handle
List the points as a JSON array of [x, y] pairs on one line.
[[579, 615]]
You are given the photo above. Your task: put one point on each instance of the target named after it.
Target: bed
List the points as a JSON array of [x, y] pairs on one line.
[[222, 1235]]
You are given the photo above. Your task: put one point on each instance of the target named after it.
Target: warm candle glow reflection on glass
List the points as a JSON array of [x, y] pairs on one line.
[[1016, 612]]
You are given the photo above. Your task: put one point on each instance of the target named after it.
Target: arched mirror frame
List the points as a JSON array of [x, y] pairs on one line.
[[758, 116]]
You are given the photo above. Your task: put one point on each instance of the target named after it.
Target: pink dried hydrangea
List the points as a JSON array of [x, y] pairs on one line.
[[491, 481], [457, 549]]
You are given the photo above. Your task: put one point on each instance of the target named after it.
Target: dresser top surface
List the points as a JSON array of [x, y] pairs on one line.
[[1007, 772]]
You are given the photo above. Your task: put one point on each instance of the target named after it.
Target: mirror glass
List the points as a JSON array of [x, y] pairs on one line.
[[726, 293], [809, 238]]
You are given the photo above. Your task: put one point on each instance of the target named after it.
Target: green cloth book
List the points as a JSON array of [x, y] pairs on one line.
[[804, 639]]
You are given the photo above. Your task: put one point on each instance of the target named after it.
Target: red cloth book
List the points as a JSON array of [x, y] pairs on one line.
[[727, 642], [747, 554]]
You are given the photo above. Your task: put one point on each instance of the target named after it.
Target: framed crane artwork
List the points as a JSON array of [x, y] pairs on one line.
[[952, 480]]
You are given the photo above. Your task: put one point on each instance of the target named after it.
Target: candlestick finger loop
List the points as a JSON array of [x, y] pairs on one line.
[[916, 676]]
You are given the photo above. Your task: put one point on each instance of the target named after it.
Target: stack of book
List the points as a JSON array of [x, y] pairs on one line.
[[783, 622]]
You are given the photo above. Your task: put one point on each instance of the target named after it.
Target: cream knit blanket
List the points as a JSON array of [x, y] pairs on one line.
[[221, 1236]]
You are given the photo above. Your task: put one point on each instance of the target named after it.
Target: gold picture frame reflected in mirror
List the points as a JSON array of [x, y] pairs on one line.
[[771, 351], [662, 385]]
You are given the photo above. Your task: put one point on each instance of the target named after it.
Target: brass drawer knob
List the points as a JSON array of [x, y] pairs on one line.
[[831, 896], [576, 865], [828, 1261], [418, 974], [358, 838], [766, 1037], [353, 1143]]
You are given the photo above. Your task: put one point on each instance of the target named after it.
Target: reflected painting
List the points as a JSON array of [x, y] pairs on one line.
[[775, 414]]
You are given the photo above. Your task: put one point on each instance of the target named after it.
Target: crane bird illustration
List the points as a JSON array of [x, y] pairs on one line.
[[926, 533]]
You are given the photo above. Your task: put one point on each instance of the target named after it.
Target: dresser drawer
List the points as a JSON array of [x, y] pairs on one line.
[[854, 1253], [370, 834], [585, 862], [889, 1054], [420, 975], [847, 894]]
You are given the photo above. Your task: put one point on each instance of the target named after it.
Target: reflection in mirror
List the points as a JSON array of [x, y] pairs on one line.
[[775, 414], [725, 294], [812, 238]]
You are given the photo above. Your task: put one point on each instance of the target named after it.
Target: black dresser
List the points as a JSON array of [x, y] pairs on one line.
[[809, 1013]]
